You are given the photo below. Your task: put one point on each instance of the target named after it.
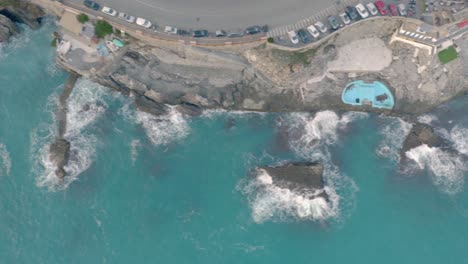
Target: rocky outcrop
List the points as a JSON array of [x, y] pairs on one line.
[[301, 177], [25, 13], [421, 134], [7, 28], [59, 155]]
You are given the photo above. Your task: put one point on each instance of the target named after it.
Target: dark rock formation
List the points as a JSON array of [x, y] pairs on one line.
[[421, 134], [59, 155], [25, 13], [7, 28], [301, 177], [145, 104]]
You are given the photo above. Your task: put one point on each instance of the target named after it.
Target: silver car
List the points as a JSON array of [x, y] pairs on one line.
[[126, 17]]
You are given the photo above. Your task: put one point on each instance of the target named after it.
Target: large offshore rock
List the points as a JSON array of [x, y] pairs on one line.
[[421, 134], [301, 177], [59, 154], [145, 104], [7, 28]]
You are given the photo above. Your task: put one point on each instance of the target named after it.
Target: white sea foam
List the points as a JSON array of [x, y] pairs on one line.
[[270, 202], [427, 119], [134, 145], [459, 137], [162, 130], [394, 132], [5, 161], [446, 169]]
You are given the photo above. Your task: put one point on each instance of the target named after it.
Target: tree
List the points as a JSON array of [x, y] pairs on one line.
[[102, 29], [82, 18]]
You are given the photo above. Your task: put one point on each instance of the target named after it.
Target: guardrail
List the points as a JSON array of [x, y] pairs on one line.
[[138, 30]]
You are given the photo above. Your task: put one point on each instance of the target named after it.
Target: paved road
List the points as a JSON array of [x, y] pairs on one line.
[[215, 14]]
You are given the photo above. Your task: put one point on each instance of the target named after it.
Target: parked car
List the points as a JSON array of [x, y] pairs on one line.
[[235, 35], [393, 9], [362, 10], [372, 9], [109, 11], [302, 33], [381, 7], [321, 27], [293, 37], [313, 31], [91, 4], [143, 22], [126, 17], [170, 30], [220, 33], [402, 9], [201, 33], [253, 30], [333, 22], [345, 18], [351, 12]]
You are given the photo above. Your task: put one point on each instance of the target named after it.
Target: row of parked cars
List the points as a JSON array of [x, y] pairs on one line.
[[345, 18], [169, 29]]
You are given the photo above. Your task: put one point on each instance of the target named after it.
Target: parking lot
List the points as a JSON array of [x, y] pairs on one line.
[[280, 34]]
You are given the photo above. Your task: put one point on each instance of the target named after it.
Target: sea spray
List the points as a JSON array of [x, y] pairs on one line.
[[446, 169], [5, 161], [393, 131]]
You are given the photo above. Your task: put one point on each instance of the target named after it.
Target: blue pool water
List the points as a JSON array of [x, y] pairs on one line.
[[171, 189], [359, 92]]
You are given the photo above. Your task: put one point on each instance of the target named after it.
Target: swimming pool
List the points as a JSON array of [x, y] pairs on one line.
[[375, 94]]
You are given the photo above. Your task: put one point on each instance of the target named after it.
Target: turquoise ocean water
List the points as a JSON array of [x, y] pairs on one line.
[[177, 190]]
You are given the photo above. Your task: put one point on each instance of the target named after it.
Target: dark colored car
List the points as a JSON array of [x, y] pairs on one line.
[[303, 35], [333, 22], [351, 12], [91, 4], [253, 30], [200, 33]]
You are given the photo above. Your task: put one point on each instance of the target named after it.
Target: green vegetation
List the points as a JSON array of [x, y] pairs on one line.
[[82, 18], [5, 3], [294, 57], [54, 43], [271, 40], [447, 55], [102, 29], [117, 32]]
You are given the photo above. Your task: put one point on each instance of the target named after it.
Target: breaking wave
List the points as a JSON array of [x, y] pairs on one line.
[[310, 137], [86, 105], [446, 169], [268, 201], [459, 137], [5, 161], [394, 132]]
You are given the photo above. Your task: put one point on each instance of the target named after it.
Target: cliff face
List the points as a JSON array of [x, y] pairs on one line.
[[24, 12]]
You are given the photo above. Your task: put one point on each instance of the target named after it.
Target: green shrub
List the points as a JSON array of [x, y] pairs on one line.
[[447, 55], [271, 40], [54, 43], [82, 18], [102, 29], [117, 32]]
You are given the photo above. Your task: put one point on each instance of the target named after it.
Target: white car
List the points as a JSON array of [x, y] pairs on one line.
[[321, 27], [170, 30], [362, 10], [126, 17], [109, 11], [402, 9], [313, 31], [345, 18], [143, 22], [293, 37], [372, 9]]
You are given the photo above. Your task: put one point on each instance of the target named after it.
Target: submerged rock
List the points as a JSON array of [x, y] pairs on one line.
[[298, 176], [59, 155], [7, 28]]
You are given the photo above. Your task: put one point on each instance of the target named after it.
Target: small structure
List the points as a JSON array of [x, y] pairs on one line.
[[375, 94], [63, 47]]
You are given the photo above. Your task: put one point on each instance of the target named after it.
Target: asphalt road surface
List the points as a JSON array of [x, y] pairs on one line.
[[218, 14]]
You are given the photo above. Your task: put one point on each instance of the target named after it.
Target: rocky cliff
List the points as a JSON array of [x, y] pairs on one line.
[[7, 28]]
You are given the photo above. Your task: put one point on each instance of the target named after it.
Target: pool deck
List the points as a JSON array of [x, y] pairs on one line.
[[375, 94]]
